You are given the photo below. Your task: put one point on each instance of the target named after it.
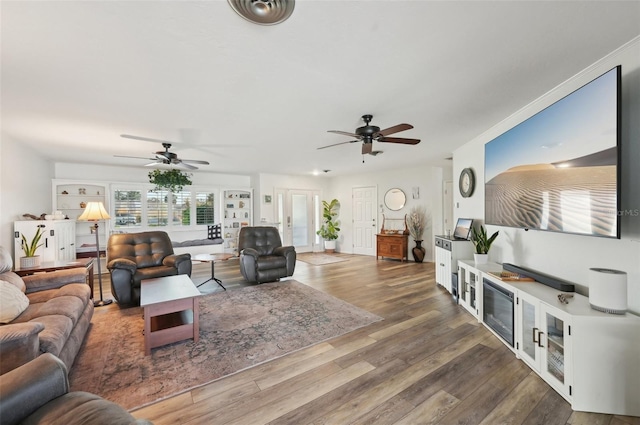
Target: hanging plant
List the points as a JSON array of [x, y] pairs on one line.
[[171, 180]]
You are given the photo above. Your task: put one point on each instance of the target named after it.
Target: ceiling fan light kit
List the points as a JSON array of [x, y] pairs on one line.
[[263, 12]]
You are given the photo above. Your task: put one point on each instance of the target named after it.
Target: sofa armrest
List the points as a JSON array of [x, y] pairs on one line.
[[174, 260], [283, 250], [29, 387], [123, 264], [19, 344], [250, 252], [52, 280]]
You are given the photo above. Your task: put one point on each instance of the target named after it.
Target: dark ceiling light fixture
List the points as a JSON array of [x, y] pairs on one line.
[[263, 12]]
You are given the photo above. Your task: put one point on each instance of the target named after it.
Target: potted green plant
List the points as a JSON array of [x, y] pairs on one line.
[[329, 229], [172, 180], [482, 243], [30, 258]]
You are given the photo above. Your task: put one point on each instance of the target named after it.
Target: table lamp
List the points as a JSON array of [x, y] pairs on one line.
[[95, 211]]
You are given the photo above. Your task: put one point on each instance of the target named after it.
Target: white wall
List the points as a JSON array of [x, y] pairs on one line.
[[427, 179], [266, 184], [570, 256], [25, 186]]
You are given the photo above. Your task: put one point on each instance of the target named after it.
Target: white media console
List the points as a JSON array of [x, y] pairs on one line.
[[589, 357]]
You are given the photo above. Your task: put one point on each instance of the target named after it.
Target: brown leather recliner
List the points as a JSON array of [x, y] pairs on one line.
[[132, 257], [262, 256]]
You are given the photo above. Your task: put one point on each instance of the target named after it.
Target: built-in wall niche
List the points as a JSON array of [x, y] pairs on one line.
[[71, 197]]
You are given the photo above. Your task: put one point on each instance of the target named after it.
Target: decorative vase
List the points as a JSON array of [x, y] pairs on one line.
[[481, 258], [29, 262], [418, 252]]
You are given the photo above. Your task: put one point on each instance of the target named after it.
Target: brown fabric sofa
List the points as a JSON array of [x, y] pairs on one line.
[[38, 393], [56, 320], [132, 257]]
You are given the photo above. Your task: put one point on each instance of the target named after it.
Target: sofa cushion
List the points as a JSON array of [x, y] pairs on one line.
[[79, 290], [12, 302], [57, 329], [6, 263], [215, 231], [153, 272], [267, 262]]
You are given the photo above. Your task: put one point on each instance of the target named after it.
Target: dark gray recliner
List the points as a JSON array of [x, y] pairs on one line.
[[262, 256], [132, 257], [38, 393]]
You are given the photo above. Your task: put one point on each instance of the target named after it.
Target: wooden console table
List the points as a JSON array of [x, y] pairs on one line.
[[392, 246]]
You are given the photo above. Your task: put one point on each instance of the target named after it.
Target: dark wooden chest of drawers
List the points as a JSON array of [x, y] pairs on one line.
[[392, 246]]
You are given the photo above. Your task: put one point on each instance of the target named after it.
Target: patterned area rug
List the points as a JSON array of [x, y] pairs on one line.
[[319, 259], [239, 328]]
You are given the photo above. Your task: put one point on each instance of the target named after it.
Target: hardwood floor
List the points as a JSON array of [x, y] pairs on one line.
[[428, 362]]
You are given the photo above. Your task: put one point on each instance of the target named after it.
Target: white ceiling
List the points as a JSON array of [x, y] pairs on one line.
[[251, 98]]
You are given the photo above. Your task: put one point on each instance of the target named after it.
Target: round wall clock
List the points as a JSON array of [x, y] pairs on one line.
[[467, 182]]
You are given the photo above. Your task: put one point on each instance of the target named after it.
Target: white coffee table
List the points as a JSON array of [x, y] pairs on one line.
[[170, 310]]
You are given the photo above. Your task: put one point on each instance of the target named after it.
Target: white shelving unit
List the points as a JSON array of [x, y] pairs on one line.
[[70, 198], [237, 212]]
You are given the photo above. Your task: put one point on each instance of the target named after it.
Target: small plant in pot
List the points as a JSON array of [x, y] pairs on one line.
[[30, 258], [329, 229], [482, 243]]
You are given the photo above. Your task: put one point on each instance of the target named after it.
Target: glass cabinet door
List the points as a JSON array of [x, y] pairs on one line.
[[556, 349], [529, 338]]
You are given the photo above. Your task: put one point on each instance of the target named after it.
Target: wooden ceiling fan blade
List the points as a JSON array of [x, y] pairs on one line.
[[344, 133], [195, 161], [134, 157], [395, 129], [146, 139], [399, 140], [337, 144]]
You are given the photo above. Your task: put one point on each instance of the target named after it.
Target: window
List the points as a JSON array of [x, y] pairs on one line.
[[157, 208], [141, 207], [205, 208], [128, 208]]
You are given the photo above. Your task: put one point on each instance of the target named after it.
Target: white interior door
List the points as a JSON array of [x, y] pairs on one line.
[[298, 214], [365, 227]]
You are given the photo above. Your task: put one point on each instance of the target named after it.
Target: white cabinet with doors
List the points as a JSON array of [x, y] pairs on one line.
[[448, 252], [58, 239], [470, 285], [541, 341], [237, 212], [589, 357], [71, 197]]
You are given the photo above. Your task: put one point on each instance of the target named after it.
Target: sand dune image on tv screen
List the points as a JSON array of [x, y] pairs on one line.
[[542, 196]]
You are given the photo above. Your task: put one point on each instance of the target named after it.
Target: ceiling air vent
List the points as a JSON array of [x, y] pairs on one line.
[[263, 12]]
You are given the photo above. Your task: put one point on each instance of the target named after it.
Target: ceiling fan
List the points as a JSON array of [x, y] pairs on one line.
[[368, 133], [164, 157]]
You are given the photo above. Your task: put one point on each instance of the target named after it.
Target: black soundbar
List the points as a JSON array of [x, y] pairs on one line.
[[553, 282]]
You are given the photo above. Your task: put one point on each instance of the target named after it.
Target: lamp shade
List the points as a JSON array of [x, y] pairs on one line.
[[94, 211]]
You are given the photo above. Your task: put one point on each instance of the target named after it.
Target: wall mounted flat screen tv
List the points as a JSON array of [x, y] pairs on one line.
[[560, 169]]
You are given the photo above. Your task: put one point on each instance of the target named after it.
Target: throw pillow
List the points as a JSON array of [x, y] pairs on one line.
[[12, 302], [215, 231]]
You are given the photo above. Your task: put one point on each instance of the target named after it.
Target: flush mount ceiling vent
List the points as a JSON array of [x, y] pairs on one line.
[[263, 12]]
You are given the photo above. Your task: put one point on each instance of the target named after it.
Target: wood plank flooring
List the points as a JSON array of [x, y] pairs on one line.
[[428, 362]]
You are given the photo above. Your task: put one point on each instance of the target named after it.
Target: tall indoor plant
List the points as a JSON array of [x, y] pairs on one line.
[[29, 248], [482, 243], [417, 222], [329, 229]]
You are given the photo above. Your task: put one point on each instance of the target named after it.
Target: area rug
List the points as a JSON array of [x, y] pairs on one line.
[[239, 328], [319, 259]]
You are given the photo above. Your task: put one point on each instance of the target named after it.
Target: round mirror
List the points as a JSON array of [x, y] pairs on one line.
[[394, 199]]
